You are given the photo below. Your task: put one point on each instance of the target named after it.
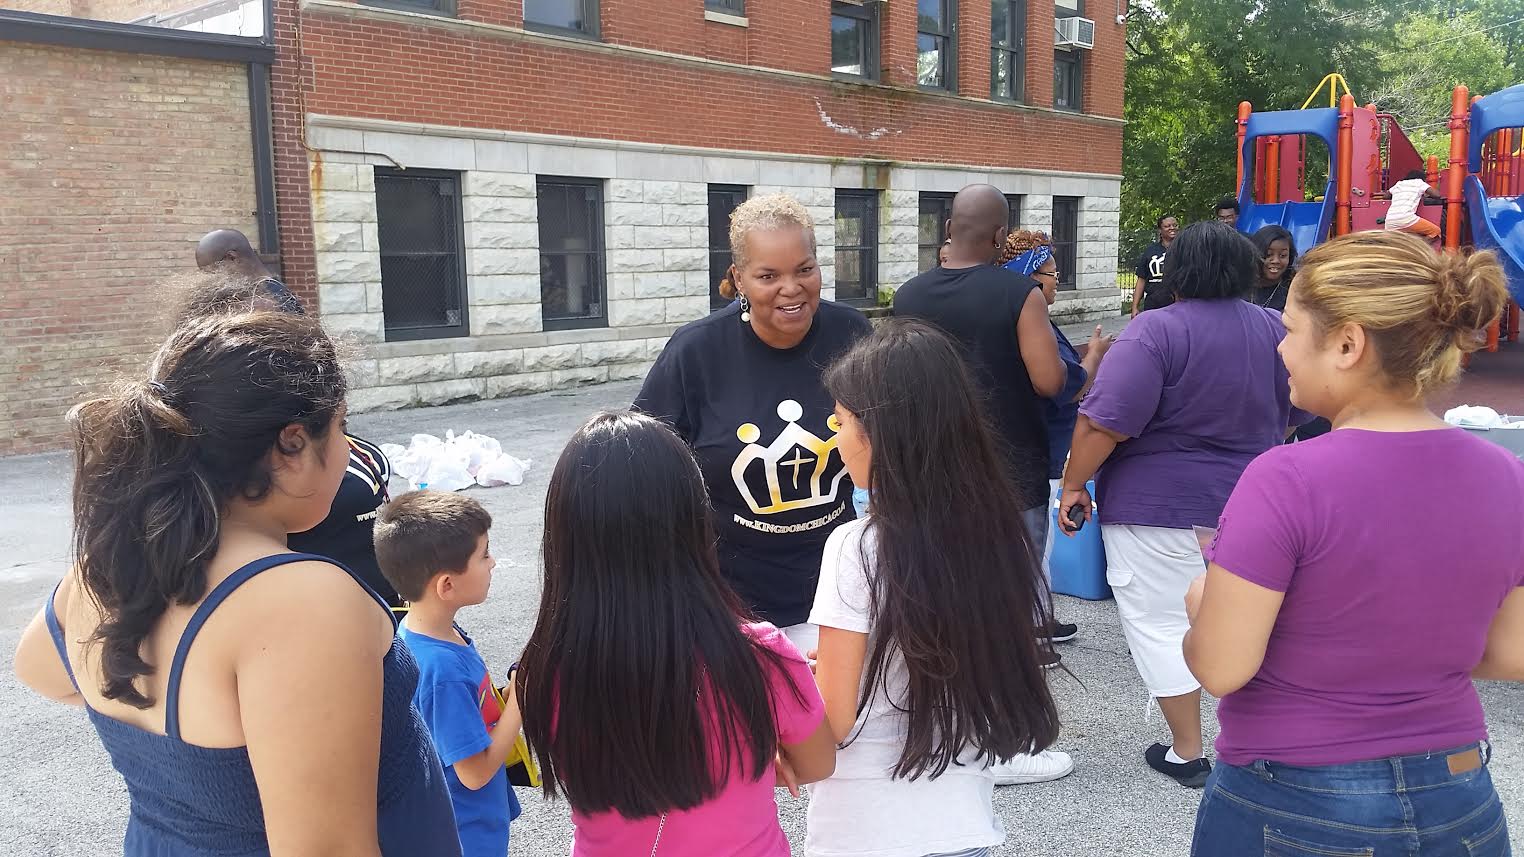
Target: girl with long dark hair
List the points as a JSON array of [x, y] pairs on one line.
[[929, 611], [230, 679], [653, 704], [1276, 251]]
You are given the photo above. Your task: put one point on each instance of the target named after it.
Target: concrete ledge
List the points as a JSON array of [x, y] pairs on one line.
[[722, 18]]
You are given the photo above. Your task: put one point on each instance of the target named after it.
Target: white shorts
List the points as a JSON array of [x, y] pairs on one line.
[[1150, 569]]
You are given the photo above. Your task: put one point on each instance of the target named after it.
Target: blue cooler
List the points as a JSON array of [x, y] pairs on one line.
[[1079, 562]]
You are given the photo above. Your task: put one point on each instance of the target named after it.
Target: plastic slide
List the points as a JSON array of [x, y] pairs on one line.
[[1497, 221], [1308, 222]]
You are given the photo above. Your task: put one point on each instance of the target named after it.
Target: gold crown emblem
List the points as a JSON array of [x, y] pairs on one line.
[[805, 470]]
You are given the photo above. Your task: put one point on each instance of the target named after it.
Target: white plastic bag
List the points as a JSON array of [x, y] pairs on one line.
[[1473, 416], [502, 470], [445, 473]]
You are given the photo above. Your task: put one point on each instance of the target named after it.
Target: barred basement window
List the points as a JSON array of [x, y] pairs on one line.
[[423, 271], [857, 246], [936, 208], [724, 199], [572, 281], [1014, 201], [1065, 239]]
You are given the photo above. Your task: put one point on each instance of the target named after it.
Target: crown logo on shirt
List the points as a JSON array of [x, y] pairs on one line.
[[794, 464]]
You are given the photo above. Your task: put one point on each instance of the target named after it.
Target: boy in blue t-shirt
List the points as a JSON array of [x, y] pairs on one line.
[[432, 546]]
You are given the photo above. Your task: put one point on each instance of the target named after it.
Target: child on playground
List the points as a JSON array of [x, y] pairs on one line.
[[433, 547], [651, 700], [1407, 195], [929, 610]]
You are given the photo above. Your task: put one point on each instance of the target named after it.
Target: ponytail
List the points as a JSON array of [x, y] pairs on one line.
[[156, 460]]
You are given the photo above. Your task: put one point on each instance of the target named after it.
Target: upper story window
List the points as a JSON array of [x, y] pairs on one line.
[[434, 7], [854, 39], [936, 64], [728, 7], [575, 17], [1068, 63], [1008, 26]]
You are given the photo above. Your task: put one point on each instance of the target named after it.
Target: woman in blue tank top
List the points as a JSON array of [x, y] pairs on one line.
[[254, 700]]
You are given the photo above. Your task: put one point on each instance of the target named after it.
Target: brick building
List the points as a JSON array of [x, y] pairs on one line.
[[503, 196]]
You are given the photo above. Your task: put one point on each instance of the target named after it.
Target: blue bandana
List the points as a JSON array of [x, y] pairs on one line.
[[1031, 260]]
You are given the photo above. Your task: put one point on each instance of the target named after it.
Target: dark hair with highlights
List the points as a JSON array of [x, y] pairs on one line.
[[638, 655], [1210, 261], [957, 585], [156, 460]]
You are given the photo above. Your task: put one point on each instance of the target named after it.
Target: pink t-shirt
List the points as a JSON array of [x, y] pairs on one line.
[[1394, 551], [743, 820]]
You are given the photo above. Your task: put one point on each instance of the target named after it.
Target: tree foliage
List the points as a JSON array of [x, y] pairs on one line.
[[1190, 62]]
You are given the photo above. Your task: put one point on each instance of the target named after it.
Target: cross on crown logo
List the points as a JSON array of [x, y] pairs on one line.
[[804, 470]]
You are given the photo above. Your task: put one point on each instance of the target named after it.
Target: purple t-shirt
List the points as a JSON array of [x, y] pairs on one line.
[[1395, 551], [1200, 390]]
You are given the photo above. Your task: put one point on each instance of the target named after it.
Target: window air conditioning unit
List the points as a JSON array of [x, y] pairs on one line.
[[1074, 32]]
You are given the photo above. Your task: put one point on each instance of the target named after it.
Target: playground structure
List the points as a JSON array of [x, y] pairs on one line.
[[1368, 152]]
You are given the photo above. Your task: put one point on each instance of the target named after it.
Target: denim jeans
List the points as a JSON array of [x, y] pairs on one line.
[[1412, 806]]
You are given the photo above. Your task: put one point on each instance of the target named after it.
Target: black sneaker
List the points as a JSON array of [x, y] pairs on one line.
[[1050, 660], [1061, 632], [1192, 775]]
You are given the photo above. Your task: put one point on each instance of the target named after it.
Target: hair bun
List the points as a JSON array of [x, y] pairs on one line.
[[1469, 293]]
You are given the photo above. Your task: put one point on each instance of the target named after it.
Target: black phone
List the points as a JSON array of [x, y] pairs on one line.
[[1076, 516]]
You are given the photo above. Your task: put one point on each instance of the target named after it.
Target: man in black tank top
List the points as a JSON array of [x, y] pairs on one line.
[[1001, 319]]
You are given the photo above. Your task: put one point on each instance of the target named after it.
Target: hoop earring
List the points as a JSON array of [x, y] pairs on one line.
[[745, 310]]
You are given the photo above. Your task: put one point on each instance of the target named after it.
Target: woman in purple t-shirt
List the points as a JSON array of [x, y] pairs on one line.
[[1187, 397], [1349, 605]]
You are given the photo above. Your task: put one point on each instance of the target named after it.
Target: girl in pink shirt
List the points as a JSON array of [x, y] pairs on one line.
[[653, 704]]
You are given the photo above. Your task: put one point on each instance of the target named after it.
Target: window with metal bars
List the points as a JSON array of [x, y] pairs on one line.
[[1008, 26], [1014, 220], [854, 39], [1066, 239], [723, 200], [936, 43], [572, 281], [931, 230], [857, 246], [423, 271]]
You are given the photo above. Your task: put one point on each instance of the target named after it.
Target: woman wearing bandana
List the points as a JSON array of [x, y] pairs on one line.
[[1031, 254]]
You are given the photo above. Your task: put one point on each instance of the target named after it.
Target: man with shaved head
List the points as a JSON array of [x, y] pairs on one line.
[[1001, 319], [228, 250]]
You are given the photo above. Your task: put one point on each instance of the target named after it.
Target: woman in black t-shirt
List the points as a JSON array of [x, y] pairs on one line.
[[743, 388], [1148, 292]]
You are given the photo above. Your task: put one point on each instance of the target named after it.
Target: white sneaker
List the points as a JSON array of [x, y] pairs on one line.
[[1038, 768]]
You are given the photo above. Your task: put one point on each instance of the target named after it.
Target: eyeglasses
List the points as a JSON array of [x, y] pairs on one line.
[[1053, 274]]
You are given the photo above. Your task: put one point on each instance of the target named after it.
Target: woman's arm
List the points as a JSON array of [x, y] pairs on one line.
[[1231, 621], [1137, 297], [38, 664], [1039, 348], [309, 696], [1091, 446], [1503, 659]]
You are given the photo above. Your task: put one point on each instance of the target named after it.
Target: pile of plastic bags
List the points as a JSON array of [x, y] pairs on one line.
[[1481, 417], [455, 463]]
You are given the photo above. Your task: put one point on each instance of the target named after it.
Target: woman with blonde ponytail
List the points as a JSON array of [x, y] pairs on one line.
[[253, 699], [1359, 581]]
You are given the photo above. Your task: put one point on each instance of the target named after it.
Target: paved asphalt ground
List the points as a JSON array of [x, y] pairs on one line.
[[59, 796]]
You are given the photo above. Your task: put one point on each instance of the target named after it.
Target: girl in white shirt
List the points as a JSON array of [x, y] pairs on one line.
[[928, 611]]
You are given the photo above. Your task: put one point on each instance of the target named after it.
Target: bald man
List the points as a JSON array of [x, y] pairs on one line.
[[229, 250]]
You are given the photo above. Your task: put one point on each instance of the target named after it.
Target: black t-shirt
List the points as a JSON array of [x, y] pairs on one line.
[[760, 423], [1150, 270], [1271, 297], [979, 307], [346, 534]]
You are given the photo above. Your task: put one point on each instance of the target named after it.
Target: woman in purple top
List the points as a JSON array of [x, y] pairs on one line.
[[1348, 605], [1187, 397]]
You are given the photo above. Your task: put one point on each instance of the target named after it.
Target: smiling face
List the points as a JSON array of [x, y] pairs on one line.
[[1169, 227], [1275, 261], [1228, 216], [781, 280], [1047, 274]]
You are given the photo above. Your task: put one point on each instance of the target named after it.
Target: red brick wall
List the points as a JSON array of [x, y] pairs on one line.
[[112, 166], [289, 79], [416, 73]]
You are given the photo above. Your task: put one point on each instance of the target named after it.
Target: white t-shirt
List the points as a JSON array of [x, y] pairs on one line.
[[1406, 195], [861, 810]]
